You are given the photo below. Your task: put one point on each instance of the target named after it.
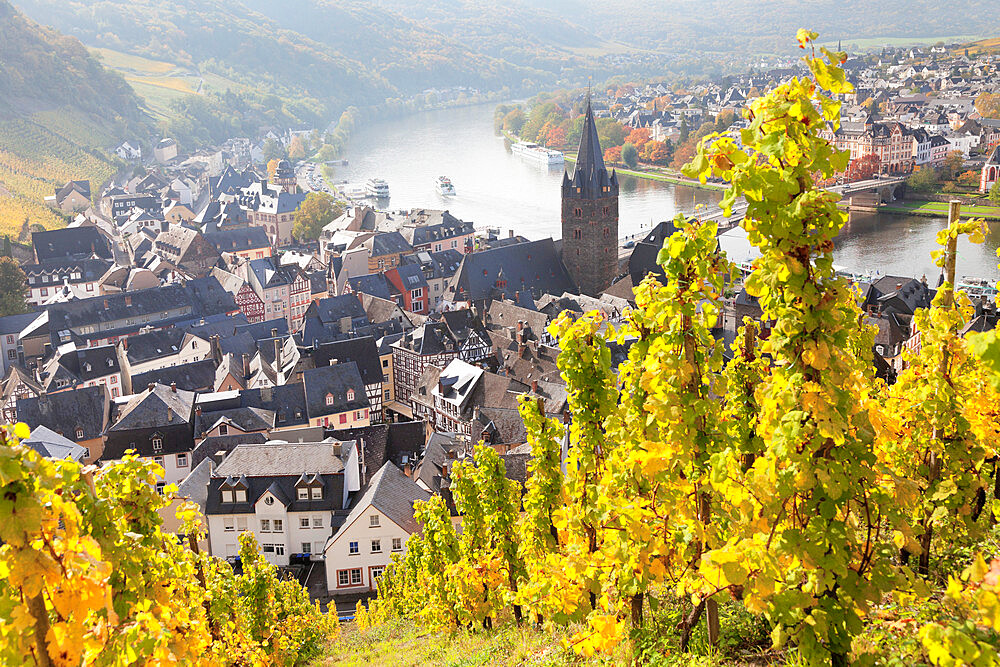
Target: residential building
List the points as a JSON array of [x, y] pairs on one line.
[[377, 528], [288, 495], [81, 415]]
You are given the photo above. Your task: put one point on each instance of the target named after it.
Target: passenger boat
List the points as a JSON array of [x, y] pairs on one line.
[[376, 187], [536, 153], [444, 186]]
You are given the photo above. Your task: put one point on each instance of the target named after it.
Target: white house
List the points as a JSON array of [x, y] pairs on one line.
[[378, 527], [284, 493], [128, 151]]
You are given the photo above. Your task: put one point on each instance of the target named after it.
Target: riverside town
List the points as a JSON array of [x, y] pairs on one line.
[[272, 399]]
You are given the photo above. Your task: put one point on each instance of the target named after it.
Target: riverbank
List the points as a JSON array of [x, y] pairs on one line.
[[933, 209], [660, 176]]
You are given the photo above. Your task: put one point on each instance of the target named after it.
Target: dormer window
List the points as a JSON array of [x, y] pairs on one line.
[[227, 495], [303, 493], [317, 493], [157, 443], [350, 394], [329, 399], [111, 362], [87, 367], [79, 433], [241, 495]]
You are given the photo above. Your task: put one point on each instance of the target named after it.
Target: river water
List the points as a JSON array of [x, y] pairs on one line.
[[495, 188]]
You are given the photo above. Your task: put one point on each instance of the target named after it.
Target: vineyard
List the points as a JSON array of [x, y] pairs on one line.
[[40, 154], [784, 508]]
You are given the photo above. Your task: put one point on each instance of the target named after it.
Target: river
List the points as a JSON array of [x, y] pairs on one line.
[[495, 188]]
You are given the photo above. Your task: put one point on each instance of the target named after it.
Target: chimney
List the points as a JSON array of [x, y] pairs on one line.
[[517, 296], [246, 366], [125, 344], [277, 353], [450, 454], [216, 346], [444, 470], [128, 300], [106, 304], [534, 386], [265, 394], [173, 387], [899, 286], [511, 233], [170, 414], [520, 326], [408, 470], [150, 386], [274, 332]]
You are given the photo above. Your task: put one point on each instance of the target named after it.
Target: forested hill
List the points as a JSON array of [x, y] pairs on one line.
[[60, 111], [43, 69], [762, 25], [351, 52]]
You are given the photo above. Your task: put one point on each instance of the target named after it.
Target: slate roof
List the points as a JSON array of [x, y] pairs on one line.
[[148, 409], [14, 324], [374, 284], [247, 419], [373, 443], [70, 242], [335, 380], [50, 444], [65, 411], [212, 445], [392, 493], [590, 175], [642, 261], [266, 329], [153, 345], [288, 402], [532, 267], [193, 376], [238, 239], [362, 351], [333, 308], [274, 459], [389, 243]]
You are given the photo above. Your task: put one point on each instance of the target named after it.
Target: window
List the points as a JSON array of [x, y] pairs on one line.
[[268, 500], [223, 429], [160, 486], [79, 433], [276, 549], [387, 394], [350, 394], [12, 354], [303, 493], [607, 209], [343, 418], [304, 522], [353, 549], [318, 521], [265, 525], [376, 546], [317, 493], [376, 573], [182, 460], [307, 547], [241, 523], [229, 524], [417, 293], [10, 339], [343, 578], [158, 460], [397, 544], [227, 496], [578, 212], [157, 444], [607, 232], [278, 525], [577, 233], [329, 399], [241, 495], [373, 521]]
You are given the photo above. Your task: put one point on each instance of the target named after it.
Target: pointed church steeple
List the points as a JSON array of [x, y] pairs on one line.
[[590, 177]]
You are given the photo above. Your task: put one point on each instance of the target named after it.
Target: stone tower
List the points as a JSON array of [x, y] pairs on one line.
[[590, 215]]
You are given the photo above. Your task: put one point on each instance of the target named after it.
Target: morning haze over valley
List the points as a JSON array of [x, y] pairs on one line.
[[447, 332]]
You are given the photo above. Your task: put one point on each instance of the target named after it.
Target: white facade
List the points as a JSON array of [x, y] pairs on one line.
[[279, 533], [360, 551]]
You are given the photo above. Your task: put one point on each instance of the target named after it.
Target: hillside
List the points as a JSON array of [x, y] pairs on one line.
[[762, 25], [59, 110]]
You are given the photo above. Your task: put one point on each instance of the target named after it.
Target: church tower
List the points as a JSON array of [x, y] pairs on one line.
[[590, 215], [284, 177]]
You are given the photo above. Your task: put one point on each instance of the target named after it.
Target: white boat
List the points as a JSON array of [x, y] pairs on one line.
[[976, 287], [444, 186], [376, 187], [537, 153], [354, 191]]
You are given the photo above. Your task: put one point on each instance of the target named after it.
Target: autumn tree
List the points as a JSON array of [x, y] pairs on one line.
[[272, 168], [952, 164], [994, 194], [923, 179], [638, 137], [13, 287], [613, 155], [296, 148], [316, 211], [863, 168]]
